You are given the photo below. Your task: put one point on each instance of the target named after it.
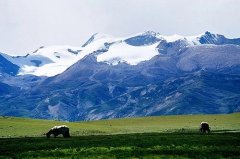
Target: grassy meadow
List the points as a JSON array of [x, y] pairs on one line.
[[147, 137], [24, 127]]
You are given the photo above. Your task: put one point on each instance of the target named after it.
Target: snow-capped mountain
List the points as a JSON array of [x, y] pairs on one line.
[[53, 60], [111, 77], [46, 61]]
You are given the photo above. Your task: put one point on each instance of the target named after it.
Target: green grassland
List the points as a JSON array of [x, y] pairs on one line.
[[147, 137], [24, 127]]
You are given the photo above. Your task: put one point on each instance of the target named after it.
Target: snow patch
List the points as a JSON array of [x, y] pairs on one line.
[[122, 52]]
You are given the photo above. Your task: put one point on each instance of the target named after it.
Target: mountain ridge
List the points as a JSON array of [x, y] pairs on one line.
[[57, 59], [142, 75]]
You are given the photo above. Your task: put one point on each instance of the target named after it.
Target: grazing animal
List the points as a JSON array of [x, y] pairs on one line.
[[57, 130], [204, 127]]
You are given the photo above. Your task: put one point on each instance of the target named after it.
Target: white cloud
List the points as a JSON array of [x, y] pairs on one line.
[[25, 24]]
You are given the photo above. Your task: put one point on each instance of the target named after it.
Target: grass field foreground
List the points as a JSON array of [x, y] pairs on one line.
[[147, 145], [146, 138]]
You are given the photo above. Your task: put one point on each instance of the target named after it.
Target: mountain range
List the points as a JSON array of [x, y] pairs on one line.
[[110, 77]]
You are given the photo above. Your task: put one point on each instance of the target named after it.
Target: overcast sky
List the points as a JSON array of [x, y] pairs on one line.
[[26, 25]]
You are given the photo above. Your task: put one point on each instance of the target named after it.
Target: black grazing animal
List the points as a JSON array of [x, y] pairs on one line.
[[204, 127], [57, 130]]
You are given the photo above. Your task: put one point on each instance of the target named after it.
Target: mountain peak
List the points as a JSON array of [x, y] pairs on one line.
[[100, 35], [97, 36], [208, 33], [150, 32]]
